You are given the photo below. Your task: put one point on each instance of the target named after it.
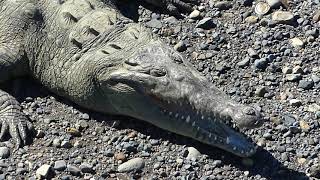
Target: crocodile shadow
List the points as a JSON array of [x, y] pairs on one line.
[[265, 164]]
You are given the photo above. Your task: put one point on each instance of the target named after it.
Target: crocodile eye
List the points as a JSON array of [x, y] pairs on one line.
[[157, 72]]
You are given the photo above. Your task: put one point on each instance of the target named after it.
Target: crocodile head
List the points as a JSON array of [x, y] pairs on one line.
[[157, 85]]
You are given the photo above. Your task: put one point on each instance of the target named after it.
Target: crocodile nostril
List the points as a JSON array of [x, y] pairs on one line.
[[131, 62], [157, 72]]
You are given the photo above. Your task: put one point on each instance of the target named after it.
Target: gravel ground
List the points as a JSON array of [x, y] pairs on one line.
[[266, 57]]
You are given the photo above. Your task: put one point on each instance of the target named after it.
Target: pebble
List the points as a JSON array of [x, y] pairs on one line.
[[223, 5], [60, 165], [132, 165], [274, 3], [297, 42], [262, 8], [205, 23], [193, 153], [306, 84], [261, 63], [252, 19], [244, 62], [180, 46], [295, 102], [282, 17], [154, 23], [293, 77], [56, 142], [74, 170], [44, 171], [260, 91], [252, 53], [194, 14], [316, 16], [86, 168], [4, 152]]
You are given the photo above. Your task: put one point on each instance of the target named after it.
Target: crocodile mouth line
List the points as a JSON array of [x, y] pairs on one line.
[[214, 129]]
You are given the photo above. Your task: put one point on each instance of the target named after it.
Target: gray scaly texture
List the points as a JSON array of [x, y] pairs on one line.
[[87, 52]]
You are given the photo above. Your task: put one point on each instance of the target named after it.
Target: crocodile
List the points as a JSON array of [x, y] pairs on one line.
[[89, 53]]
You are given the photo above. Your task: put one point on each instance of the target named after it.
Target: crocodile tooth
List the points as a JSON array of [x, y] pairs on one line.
[[228, 140], [170, 113], [202, 117], [234, 148], [193, 123], [177, 115], [182, 117], [210, 135], [188, 119]]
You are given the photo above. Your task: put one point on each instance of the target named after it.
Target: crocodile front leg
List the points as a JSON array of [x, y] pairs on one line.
[[15, 16], [13, 120]]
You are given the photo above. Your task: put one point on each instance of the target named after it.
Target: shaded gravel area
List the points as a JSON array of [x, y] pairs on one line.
[[266, 54]]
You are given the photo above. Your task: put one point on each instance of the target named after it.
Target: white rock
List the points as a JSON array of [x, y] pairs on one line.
[[193, 153], [44, 171], [282, 16], [4, 152], [296, 42], [132, 165], [194, 14]]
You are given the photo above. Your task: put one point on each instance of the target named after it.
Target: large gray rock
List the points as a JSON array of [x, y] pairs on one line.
[[132, 165]]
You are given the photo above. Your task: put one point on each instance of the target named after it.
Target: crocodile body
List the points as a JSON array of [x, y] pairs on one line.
[[89, 53]]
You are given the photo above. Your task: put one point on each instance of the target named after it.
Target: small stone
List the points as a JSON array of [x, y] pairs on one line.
[[316, 16], [297, 70], [314, 107], [4, 152], [193, 153], [74, 170], [180, 46], [205, 23], [194, 14], [73, 132], [286, 70], [274, 3], [252, 19], [301, 160], [223, 5], [66, 144], [56, 142], [296, 42], [60, 165], [44, 171], [40, 134], [252, 53], [120, 156], [306, 84], [154, 23], [261, 63], [244, 62], [293, 77], [282, 17], [260, 91], [132, 165], [262, 8], [86, 168], [304, 126], [295, 102]]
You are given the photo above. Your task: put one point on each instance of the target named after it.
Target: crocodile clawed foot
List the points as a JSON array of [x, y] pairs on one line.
[[18, 127], [13, 121]]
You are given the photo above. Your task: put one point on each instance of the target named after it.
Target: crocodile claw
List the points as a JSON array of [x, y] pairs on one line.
[[13, 121], [18, 127]]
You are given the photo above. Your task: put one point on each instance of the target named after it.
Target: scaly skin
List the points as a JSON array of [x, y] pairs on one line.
[[88, 53]]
